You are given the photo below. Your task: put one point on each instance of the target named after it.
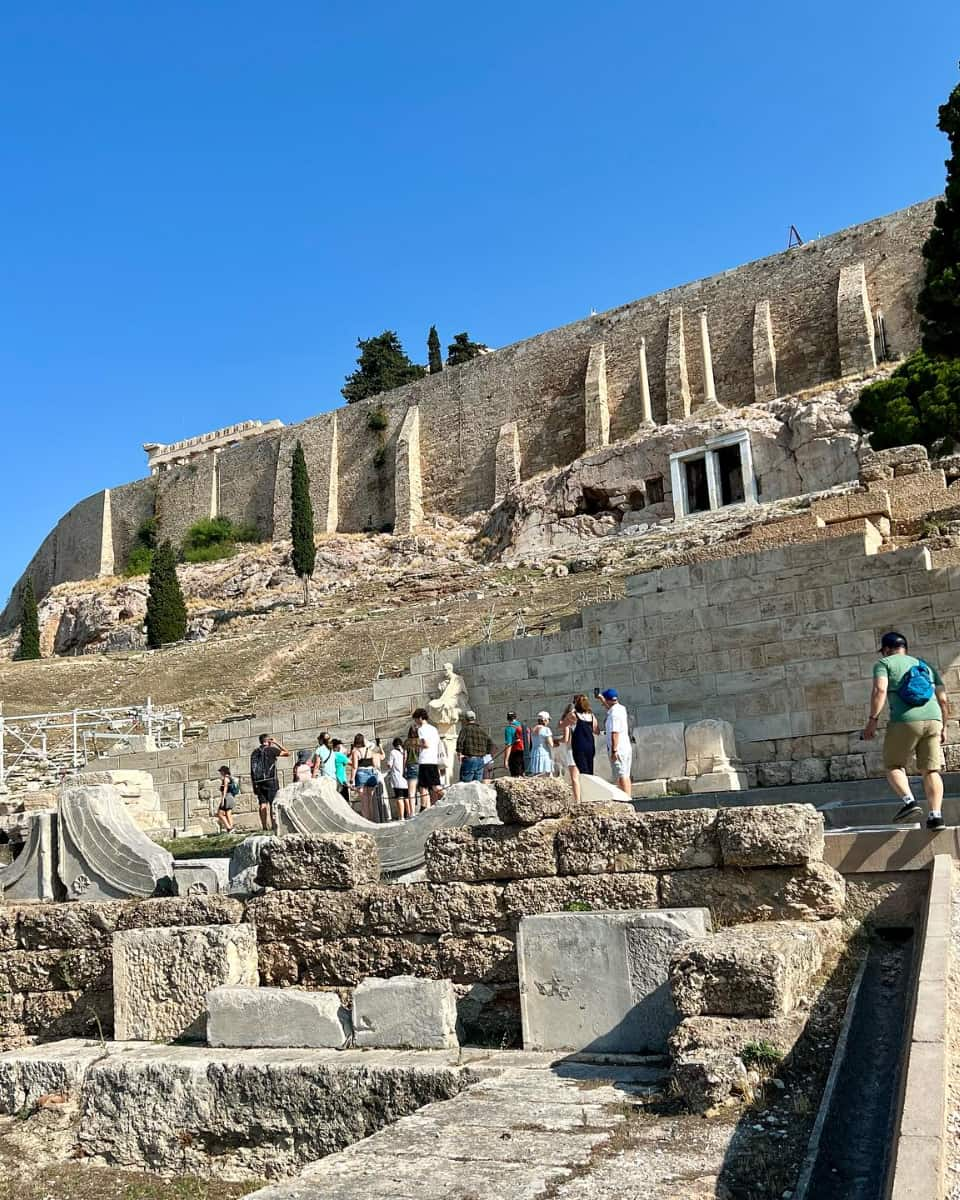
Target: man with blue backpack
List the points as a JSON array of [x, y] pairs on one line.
[[918, 713]]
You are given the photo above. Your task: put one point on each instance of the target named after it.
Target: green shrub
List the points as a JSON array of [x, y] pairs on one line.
[[139, 561], [919, 403], [380, 458], [148, 532], [214, 538], [578, 906], [377, 419], [763, 1055]]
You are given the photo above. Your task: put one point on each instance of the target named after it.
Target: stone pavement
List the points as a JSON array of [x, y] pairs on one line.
[[539, 1128]]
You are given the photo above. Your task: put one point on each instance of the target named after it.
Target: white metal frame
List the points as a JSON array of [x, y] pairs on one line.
[[678, 476], [61, 738]]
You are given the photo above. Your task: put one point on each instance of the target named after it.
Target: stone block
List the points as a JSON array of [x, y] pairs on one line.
[[472, 854], [773, 774], [254, 1016], [707, 1066], [530, 897], [846, 767], [594, 789], [405, 1013], [598, 981], [334, 860], [524, 801], [760, 970], [808, 770], [727, 779], [161, 978], [615, 841], [195, 879], [660, 751], [710, 745], [770, 835], [806, 893]]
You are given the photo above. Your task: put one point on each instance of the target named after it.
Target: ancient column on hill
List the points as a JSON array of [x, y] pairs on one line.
[[678, 385], [646, 411]]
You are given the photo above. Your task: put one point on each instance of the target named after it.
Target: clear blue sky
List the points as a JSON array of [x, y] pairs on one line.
[[203, 205]]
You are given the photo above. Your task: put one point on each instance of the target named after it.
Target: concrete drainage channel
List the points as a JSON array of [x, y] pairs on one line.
[[879, 1133]]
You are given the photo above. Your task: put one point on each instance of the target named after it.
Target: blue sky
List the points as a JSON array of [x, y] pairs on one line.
[[203, 205]]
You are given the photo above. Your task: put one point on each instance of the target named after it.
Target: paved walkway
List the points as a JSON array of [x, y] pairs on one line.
[[535, 1131]]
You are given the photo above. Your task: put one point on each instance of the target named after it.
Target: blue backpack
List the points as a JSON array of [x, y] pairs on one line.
[[916, 687]]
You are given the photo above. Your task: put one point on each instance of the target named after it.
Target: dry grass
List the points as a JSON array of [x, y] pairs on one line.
[[88, 1183]]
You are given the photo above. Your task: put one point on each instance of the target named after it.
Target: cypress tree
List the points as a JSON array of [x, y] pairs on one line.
[[939, 299], [29, 624], [434, 357], [301, 521], [166, 609]]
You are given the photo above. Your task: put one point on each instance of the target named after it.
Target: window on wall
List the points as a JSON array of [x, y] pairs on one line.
[[654, 489], [714, 475]]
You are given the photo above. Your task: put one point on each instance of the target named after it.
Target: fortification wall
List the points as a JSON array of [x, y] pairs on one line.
[[318, 436], [247, 480], [819, 297], [130, 506]]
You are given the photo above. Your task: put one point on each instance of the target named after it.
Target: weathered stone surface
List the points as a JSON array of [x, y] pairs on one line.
[[808, 770], [31, 875], [481, 852], [758, 970], [32, 1073], [54, 970], [405, 1013], [87, 1013], [479, 798], [594, 789], [276, 1017], [180, 910], [491, 958], [846, 767], [303, 914], [771, 835], [528, 897], [161, 977], [343, 860], [710, 745], [598, 981], [524, 801], [660, 752], [774, 774], [164, 1109], [706, 1051], [813, 892], [245, 864], [434, 908], [615, 840]]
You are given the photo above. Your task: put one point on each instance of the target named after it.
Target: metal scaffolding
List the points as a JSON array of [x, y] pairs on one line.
[[67, 739]]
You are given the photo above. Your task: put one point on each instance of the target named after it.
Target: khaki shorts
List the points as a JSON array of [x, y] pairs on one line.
[[904, 737]]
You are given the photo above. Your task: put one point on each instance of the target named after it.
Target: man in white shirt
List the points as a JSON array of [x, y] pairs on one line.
[[428, 761], [618, 739]]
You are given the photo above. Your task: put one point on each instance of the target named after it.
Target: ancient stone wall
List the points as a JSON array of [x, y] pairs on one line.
[[247, 479], [774, 325], [130, 506], [317, 437], [321, 930]]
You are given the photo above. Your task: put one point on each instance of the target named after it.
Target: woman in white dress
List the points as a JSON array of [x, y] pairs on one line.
[[541, 760]]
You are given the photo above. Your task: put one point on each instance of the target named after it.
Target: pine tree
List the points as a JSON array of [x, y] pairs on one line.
[[29, 624], [301, 521], [434, 357], [381, 365], [939, 299], [166, 610], [461, 350]]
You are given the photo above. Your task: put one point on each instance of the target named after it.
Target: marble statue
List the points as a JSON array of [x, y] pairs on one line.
[[446, 712]]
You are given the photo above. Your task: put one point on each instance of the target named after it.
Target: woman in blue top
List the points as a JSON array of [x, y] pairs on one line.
[[541, 760]]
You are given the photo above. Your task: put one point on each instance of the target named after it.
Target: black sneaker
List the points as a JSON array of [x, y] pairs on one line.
[[909, 808], [935, 823]]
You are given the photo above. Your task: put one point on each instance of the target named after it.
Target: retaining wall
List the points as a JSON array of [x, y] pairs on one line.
[[817, 297]]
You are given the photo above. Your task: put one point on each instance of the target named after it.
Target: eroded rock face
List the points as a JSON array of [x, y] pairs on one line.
[[814, 892], [771, 835], [527, 897], [618, 840], [343, 860], [524, 801], [760, 970]]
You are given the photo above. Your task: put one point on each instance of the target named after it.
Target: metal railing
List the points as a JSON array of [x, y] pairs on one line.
[[64, 739]]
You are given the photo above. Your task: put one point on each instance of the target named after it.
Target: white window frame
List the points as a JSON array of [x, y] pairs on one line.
[[678, 476]]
